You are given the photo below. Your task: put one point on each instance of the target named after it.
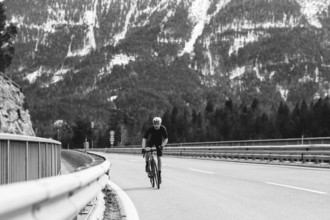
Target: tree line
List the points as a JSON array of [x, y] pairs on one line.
[[7, 37], [252, 121], [227, 122]]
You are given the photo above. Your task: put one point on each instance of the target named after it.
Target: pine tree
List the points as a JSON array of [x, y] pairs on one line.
[[81, 131], [7, 33]]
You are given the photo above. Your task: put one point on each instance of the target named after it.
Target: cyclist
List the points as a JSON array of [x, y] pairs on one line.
[[155, 135]]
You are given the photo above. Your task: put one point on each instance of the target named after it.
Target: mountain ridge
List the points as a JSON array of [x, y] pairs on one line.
[[113, 52]]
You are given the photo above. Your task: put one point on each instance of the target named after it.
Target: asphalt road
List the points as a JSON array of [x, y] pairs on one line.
[[205, 189]]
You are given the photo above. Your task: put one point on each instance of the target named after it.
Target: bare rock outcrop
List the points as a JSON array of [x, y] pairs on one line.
[[14, 118]]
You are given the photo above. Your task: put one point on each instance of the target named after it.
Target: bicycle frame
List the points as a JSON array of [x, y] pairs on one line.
[[153, 175]]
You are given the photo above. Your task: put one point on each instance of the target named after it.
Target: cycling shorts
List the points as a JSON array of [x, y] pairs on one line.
[[159, 152]]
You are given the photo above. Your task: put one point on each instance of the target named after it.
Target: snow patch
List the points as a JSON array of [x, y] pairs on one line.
[[105, 4], [159, 7], [112, 98], [239, 71], [242, 40], [90, 19], [284, 92], [197, 15], [58, 75], [271, 75], [17, 20], [119, 59], [34, 75], [122, 35], [312, 8]]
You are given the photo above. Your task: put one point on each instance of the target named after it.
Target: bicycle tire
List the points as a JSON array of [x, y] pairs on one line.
[[152, 180], [157, 176], [154, 174]]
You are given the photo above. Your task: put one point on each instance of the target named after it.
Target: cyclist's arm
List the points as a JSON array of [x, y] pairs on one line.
[[164, 142], [144, 143], [144, 139], [165, 136]]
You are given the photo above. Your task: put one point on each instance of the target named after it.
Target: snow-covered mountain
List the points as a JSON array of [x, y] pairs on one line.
[[120, 52]]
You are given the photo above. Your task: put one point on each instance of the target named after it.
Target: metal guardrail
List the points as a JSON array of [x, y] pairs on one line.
[[61, 197], [25, 158], [312, 154], [261, 142], [80, 160]]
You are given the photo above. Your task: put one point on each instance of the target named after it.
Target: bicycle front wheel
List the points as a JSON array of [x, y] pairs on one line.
[[152, 181], [151, 174], [156, 175]]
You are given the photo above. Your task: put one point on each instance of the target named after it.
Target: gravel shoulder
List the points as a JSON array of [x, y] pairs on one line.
[[112, 207], [111, 202]]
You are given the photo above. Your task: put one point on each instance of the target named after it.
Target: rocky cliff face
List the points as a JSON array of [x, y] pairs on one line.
[[14, 118]]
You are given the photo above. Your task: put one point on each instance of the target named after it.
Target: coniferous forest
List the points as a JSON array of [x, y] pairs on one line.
[[228, 122], [249, 122]]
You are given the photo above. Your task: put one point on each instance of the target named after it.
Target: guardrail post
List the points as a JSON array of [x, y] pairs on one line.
[[26, 160], [55, 160], [46, 161], [8, 161], [51, 159], [39, 160]]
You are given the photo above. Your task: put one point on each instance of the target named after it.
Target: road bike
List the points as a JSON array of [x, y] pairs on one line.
[[153, 174]]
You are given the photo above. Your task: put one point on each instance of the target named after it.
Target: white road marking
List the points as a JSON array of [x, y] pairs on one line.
[[202, 171], [128, 205], [294, 187]]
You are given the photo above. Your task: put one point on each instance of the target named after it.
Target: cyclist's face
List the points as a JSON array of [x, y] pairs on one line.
[[156, 126]]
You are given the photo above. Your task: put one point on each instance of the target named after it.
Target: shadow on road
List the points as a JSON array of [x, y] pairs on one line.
[[138, 189]]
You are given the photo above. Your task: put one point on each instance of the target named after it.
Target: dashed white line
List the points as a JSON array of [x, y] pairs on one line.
[[202, 171], [298, 188]]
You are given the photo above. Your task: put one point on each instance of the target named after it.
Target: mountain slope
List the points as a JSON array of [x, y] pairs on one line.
[[145, 57]]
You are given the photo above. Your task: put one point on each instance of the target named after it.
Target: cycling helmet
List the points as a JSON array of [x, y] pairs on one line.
[[157, 120]]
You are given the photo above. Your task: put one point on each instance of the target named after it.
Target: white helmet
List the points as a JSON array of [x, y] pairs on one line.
[[157, 120]]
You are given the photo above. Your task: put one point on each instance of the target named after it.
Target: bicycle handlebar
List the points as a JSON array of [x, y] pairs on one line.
[[152, 149]]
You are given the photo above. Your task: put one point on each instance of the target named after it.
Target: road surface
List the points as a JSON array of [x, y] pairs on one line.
[[207, 189]]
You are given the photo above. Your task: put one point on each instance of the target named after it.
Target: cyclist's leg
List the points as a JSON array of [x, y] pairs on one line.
[[147, 156], [159, 159]]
